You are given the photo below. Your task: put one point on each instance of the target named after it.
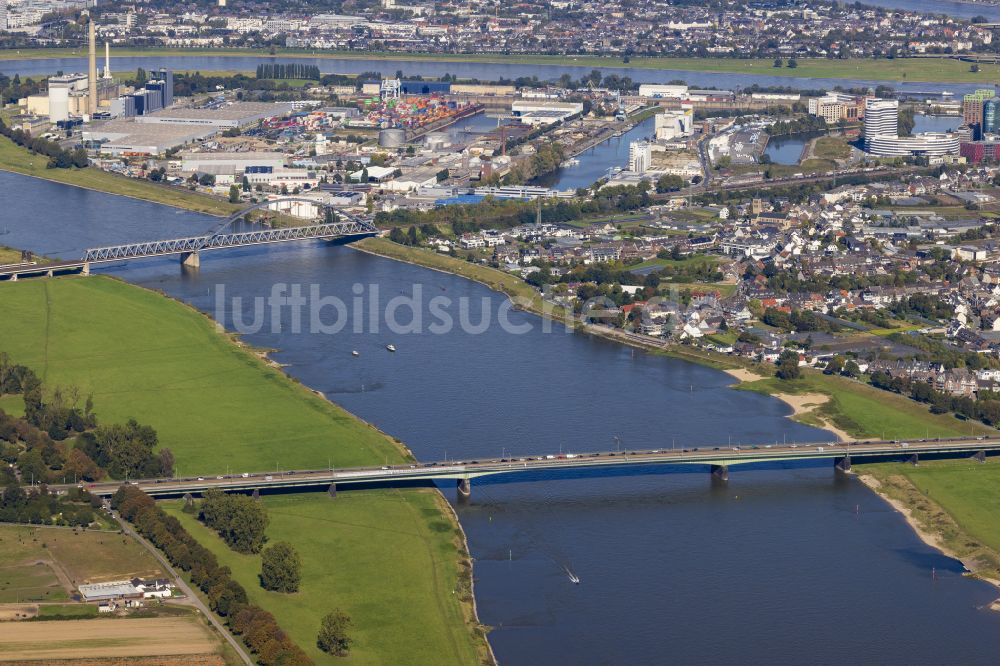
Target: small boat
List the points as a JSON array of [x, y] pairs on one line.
[[391, 348], [572, 576], [355, 353]]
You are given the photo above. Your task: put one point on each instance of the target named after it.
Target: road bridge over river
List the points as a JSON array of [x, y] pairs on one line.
[[717, 460], [349, 228]]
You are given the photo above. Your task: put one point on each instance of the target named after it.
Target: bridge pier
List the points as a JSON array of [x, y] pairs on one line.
[[842, 464], [332, 491], [255, 494], [191, 259], [86, 268], [720, 473], [979, 456], [13, 278], [914, 460], [464, 489]]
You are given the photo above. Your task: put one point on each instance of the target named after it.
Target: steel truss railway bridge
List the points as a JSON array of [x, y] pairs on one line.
[[717, 460], [189, 249]]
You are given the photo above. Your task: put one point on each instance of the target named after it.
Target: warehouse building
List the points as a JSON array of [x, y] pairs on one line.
[[220, 164], [238, 114], [126, 137]]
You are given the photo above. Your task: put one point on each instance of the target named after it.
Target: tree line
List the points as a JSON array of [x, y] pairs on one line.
[[58, 158], [987, 411], [255, 626], [289, 71]]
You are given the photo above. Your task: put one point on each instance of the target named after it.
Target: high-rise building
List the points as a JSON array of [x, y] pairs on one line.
[[972, 107], [991, 116], [639, 156], [881, 118], [3, 14]]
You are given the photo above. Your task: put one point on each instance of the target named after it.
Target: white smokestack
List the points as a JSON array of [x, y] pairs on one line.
[[107, 60]]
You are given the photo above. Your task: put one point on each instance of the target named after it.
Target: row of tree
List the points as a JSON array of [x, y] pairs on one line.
[[987, 411], [288, 71], [257, 627], [58, 158]]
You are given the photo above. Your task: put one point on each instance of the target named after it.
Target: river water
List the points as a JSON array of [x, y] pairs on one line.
[[783, 566], [483, 71]]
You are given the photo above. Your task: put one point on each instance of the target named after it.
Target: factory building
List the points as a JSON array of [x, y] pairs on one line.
[[219, 164], [674, 124], [657, 91], [238, 114], [539, 112]]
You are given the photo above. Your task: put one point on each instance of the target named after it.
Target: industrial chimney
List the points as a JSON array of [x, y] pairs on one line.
[[107, 60], [92, 73]]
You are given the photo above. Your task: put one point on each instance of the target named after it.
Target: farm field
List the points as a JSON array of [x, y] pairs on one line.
[[105, 638], [45, 564]]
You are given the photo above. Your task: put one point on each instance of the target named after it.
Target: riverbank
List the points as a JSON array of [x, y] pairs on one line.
[[142, 355], [805, 406], [19, 160], [851, 410], [939, 70], [937, 525]]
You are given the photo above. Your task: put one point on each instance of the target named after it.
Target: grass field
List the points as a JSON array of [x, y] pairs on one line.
[[45, 564], [899, 69], [112, 638], [832, 148], [385, 557], [956, 501], [19, 160], [147, 357], [867, 412]]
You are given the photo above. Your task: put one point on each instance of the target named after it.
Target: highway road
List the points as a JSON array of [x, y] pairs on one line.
[[457, 470]]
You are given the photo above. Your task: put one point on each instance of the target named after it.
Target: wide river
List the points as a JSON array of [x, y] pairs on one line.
[[482, 71], [783, 566]]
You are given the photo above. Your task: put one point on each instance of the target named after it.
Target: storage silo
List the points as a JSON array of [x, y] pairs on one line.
[[392, 138]]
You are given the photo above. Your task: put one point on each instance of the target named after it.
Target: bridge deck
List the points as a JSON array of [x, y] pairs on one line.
[[463, 470]]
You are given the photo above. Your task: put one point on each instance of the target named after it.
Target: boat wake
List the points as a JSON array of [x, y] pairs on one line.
[[572, 576]]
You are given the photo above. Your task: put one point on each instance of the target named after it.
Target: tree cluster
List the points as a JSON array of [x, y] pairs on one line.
[[257, 627], [38, 506], [239, 519], [127, 451], [797, 320], [58, 158]]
